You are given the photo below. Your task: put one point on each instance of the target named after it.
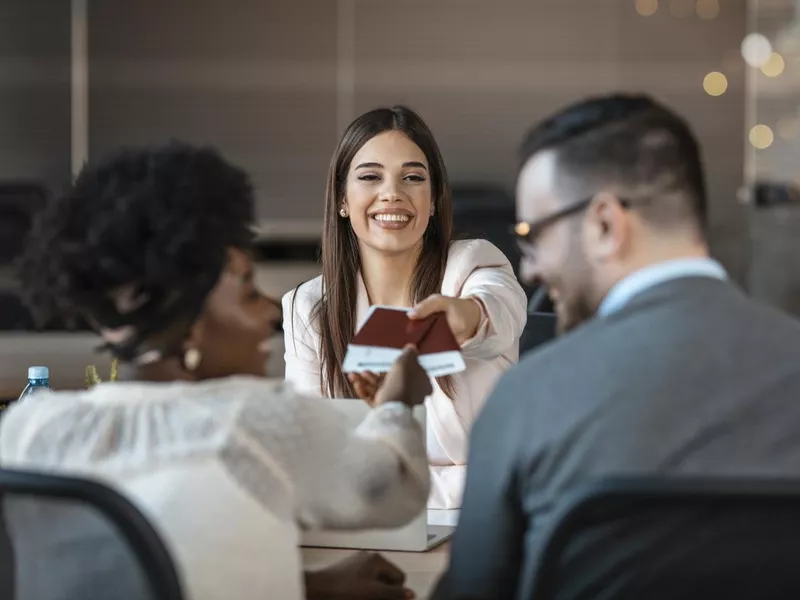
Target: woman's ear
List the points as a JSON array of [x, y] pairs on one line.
[[193, 346]]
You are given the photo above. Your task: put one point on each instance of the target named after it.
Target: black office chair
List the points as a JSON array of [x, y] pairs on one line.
[[540, 327], [673, 538], [483, 211], [65, 538], [19, 203]]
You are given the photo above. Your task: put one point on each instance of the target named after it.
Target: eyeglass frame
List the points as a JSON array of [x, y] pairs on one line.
[[526, 242]]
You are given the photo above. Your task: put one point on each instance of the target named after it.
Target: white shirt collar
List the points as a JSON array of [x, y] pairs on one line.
[[646, 278]]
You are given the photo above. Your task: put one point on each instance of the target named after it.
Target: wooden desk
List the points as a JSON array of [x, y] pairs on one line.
[[422, 569]]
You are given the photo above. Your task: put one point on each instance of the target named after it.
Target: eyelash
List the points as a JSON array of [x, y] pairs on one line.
[[372, 177]]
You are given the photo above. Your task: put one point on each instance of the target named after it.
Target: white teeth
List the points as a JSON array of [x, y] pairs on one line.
[[392, 218]]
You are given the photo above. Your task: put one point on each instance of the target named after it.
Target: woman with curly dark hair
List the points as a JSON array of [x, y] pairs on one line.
[[151, 246]]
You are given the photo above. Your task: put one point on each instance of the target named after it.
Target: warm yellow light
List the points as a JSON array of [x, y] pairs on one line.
[[646, 8], [682, 8], [774, 65], [707, 9], [522, 228], [789, 128], [761, 137], [715, 83]]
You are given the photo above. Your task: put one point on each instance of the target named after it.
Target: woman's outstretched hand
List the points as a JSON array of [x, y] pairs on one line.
[[463, 314]]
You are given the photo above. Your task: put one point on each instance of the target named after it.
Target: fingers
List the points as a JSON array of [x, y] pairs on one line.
[[409, 351], [387, 572], [378, 578], [371, 378], [363, 387], [431, 304], [375, 590]]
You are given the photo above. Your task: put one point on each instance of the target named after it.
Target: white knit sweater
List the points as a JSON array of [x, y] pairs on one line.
[[227, 470]]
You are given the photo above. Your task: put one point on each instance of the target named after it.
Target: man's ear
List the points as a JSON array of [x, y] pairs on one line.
[[608, 228]]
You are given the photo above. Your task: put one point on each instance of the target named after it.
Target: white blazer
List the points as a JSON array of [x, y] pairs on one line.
[[475, 268]]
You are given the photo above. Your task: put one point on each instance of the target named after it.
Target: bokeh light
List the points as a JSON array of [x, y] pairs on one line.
[[646, 8], [756, 49], [707, 9], [761, 137], [774, 66], [715, 83]]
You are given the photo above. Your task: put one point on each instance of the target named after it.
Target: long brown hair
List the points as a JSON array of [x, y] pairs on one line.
[[335, 313]]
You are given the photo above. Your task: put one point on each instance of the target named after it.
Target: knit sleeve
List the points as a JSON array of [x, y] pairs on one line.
[[373, 475]]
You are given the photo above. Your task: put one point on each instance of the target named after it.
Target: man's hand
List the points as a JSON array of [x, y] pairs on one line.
[[406, 382], [463, 314], [362, 576]]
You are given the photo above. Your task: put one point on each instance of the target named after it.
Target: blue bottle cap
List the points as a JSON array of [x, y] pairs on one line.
[[38, 373]]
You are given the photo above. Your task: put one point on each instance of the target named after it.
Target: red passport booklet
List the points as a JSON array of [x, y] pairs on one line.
[[387, 330]]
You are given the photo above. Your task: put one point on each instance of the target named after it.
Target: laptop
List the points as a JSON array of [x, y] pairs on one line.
[[416, 536]]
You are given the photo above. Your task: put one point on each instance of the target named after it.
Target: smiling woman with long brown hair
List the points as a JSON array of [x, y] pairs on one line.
[[387, 240]]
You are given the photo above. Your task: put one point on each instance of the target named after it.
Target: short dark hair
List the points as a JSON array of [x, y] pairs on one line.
[[155, 221], [632, 142]]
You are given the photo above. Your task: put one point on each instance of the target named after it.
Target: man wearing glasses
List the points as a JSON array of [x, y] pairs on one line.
[[665, 366]]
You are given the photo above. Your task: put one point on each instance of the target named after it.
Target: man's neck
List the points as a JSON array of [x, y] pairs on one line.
[[634, 269], [388, 277], [658, 255]]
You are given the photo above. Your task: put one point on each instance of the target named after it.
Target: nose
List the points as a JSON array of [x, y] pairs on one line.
[[390, 191], [529, 271]]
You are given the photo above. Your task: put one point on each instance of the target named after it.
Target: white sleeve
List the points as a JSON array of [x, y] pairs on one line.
[[373, 476], [493, 283]]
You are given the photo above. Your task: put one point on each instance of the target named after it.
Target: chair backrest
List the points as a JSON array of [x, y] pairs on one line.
[[486, 212], [19, 202], [71, 538], [660, 538], [540, 327], [774, 270]]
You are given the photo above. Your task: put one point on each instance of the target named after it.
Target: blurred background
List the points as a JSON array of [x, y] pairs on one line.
[[272, 83]]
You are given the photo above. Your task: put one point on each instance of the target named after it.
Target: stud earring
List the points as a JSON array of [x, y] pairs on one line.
[[343, 212], [192, 358]]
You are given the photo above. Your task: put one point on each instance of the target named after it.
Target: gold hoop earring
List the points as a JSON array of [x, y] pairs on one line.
[[192, 358]]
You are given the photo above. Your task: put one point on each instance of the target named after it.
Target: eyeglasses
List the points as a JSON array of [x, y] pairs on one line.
[[527, 233]]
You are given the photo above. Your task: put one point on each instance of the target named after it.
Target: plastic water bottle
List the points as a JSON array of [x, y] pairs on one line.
[[38, 381]]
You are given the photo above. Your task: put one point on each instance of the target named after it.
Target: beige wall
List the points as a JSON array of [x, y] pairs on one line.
[[273, 83], [774, 275], [773, 101], [35, 91]]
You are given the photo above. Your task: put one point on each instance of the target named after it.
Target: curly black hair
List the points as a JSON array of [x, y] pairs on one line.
[[154, 222]]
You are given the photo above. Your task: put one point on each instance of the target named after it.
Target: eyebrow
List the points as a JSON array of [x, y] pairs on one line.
[[373, 165]]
